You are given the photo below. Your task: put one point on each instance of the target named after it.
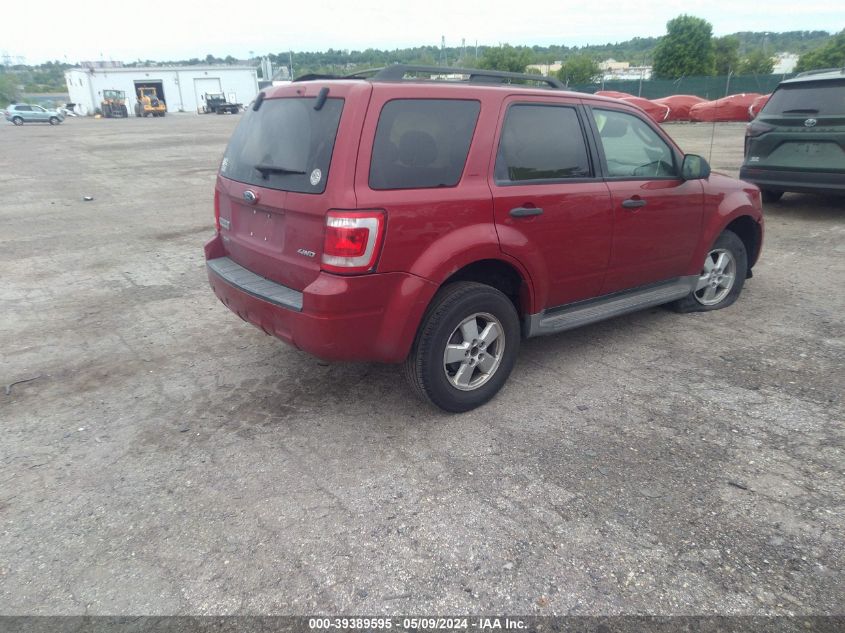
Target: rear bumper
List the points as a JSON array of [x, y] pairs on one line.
[[363, 318], [797, 181]]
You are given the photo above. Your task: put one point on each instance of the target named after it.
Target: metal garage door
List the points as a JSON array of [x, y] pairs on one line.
[[203, 85]]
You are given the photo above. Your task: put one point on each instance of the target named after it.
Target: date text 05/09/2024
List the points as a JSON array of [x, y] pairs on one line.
[[418, 623]]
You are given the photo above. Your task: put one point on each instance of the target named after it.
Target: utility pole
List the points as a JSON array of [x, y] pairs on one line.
[[443, 50], [290, 61]]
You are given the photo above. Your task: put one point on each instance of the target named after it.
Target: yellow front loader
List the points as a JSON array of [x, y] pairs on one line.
[[148, 103]]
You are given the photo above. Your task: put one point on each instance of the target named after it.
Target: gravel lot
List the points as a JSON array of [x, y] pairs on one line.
[[167, 458]]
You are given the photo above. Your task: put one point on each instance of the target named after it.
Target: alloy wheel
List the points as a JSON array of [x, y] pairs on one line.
[[474, 351], [717, 278]]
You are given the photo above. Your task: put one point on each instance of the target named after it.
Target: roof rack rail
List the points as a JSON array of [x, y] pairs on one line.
[[820, 71], [397, 72]]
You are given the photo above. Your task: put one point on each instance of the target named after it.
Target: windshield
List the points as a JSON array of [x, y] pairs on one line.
[[811, 97], [286, 145]]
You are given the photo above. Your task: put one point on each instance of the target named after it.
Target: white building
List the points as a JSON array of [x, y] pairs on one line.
[[180, 87], [547, 70], [784, 63]]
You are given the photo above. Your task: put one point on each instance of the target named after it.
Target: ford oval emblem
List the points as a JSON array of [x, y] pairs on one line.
[[250, 196], [810, 123]]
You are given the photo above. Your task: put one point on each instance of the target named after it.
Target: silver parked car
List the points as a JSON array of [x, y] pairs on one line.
[[20, 113]]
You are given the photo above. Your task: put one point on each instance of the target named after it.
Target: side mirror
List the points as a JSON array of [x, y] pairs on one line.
[[695, 167]]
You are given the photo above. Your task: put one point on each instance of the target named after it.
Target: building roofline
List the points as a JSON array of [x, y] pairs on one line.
[[127, 69]]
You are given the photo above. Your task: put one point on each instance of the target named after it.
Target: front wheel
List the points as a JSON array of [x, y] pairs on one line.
[[722, 276], [54, 120], [466, 347], [17, 120]]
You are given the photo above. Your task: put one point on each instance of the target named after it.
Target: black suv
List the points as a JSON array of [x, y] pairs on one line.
[[797, 142]]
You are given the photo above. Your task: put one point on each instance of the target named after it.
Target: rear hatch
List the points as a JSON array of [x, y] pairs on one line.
[[288, 162], [801, 128]]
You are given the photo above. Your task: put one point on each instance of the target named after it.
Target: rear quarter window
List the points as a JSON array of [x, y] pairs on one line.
[[422, 143]]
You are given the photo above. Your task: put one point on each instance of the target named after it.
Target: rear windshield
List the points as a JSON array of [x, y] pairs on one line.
[[811, 97], [286, 145], [422, 143]]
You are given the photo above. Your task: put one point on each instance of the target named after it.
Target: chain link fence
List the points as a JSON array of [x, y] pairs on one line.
[[704, 87]]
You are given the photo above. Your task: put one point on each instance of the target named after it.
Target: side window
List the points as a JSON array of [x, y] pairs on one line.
[[38, 109], [23, 108], [631, 148], [541, 142], [422, 143]]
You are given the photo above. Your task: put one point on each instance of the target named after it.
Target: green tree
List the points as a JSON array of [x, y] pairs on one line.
[[507, 58], [579, 69], [9, 92], [831, 55], [757, 62], [726, 53], [686, 49]]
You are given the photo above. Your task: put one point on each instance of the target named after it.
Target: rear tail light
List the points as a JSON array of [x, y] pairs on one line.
[[753, 130], [756, 128], [217, 210], [352, 241]]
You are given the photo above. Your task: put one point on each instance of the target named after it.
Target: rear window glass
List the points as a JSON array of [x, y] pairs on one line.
[[812, 97], [422, 143], [286, 145], [542, 143]]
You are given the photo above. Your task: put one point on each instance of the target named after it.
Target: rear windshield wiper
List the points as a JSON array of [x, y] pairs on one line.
[[266, 170], [801, 111]]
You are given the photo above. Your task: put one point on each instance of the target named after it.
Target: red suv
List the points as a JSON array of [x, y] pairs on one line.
[[437, 221]]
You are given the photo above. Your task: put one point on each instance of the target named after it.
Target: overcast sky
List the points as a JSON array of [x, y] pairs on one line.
[[87, 30]]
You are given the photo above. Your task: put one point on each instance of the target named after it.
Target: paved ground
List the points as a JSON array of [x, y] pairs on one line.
[[169, 458]]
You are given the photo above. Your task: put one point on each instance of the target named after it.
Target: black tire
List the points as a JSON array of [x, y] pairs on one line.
[[425, 367], [694, 301], [17, 120], [54, 120], [771, 196]]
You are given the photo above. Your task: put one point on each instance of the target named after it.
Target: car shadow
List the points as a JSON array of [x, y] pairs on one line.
[[806, 206]]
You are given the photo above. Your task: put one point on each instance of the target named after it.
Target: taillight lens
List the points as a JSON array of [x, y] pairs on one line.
[[352, 241], [217, 210], [756, 128], [753, 130]]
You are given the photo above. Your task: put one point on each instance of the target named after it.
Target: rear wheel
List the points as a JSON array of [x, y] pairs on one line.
[[466, 347], [722, 276], [17, 120], [771, 196]]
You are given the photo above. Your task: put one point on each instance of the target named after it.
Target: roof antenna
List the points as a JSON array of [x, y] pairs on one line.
[[715, 115]]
